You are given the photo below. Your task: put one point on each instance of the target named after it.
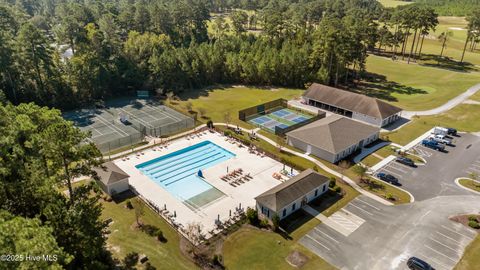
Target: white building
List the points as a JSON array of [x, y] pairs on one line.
[[112, 179], [333, 138], [360, 107], [291, 195]]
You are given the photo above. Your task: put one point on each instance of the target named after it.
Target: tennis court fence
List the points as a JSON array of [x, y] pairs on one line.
[[249, 113], [163, 130], [109, 146]]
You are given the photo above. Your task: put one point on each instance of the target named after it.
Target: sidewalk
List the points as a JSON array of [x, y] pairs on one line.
[[367, 151], [417, 140]]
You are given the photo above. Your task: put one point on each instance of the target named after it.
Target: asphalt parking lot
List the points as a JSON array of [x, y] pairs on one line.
[[436, 177], [392, 234]]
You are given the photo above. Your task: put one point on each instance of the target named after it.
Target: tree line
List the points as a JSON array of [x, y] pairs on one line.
[[451, 7]]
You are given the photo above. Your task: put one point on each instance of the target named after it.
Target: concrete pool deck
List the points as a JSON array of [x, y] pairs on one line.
[[260, 168]]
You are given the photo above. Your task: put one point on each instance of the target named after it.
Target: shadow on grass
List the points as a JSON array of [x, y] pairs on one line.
[[431, 60], [377, 85], [293, 222], [121, 197]]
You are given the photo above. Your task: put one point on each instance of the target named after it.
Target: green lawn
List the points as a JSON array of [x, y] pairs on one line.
[[124, 238], [469, 183], [464, 117], [387, 151], [470, 259], [413, 86], [218, 102], [370, 160], [392, 3]]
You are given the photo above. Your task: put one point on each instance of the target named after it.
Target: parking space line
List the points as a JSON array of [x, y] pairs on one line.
[[448, 237], [308, 236], [396, 169], [438, 252], [361, 209], [440, 243], [435, 261], [397, 174], [470, 238], [333, 239], [376, 208]]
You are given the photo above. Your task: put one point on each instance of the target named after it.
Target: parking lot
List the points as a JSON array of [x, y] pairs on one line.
[[436, 177], [392, 234]]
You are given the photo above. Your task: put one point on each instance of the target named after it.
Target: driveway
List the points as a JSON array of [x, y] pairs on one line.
[[436, 178], [447, 106], [391, 234]]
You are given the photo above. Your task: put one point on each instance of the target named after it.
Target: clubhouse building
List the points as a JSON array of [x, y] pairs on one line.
[[333, 138], [291, 195], [111, 179], [359, 107]]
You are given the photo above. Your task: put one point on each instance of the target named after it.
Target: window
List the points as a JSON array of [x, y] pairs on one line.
[[284, 212], [293, 206], [324, 188], [316, 192]]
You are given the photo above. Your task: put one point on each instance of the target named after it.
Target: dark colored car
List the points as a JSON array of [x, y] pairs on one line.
[[451, 131], [388, 178], [415, 263], [433, 144], [405, 161]]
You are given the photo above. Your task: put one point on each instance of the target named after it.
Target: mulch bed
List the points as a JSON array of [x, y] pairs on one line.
[[463, 219], [296, 259]]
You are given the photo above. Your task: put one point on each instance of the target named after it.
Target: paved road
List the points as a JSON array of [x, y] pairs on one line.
[[436, 178], [447, 106], [391, 234]]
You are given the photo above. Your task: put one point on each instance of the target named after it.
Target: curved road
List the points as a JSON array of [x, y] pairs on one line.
[[447, 106]]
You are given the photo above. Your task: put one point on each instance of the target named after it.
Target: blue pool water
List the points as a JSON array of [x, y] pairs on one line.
[[177, 172]]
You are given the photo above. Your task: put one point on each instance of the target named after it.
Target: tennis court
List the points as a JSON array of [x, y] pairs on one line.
[[126, 122], [107, 132], [150, 117], [282, 118]]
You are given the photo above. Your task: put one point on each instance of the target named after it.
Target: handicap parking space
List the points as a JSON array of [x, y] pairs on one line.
[[436, 177]]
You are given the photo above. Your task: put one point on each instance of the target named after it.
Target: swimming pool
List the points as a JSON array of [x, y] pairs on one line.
[[177, 172]]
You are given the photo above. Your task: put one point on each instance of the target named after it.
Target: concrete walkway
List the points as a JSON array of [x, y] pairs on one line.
[[321, 165], [447, 106], [367, 151]]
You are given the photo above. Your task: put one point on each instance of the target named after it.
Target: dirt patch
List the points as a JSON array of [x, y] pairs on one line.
[[465, 219], [296, 259]]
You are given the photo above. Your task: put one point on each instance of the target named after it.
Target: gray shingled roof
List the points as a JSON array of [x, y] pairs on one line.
[[334, 133], [111, 173], [287, 192], [351, 101]]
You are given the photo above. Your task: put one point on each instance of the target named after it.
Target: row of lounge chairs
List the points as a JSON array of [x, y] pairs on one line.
[[196, 135], [236, 177]]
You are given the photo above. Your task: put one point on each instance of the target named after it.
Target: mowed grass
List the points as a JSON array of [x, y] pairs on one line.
[[464, 117], [413, 86], [218, 102], [370, 160], [469, 183], [393, 3], [124, 238], [470, 259]]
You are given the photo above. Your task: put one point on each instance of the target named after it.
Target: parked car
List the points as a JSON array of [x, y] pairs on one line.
[[415, 263], [405, 161], [451, 131], [440, 131], [441, 139], [388, 178], [433, 145]]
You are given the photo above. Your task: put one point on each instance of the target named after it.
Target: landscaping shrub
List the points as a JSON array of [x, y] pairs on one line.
[[276, 222], [389, 196], [148, 266], [131, 259], [474, 224], [217, 260], [129, 204], [210, 124], [159, 235], [150, 229], [264, 223], [252, 216], [473, 218], [337, 189], [333, 182], [227, 133]]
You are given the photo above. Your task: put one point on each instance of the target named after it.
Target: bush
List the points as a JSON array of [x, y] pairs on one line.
[[315, 168], [252, 216], [129, 204], [474, 224], [275, 222], [150, 229], [210, 124], [227, 133], [264, 223], [217, 259], [148, 266], [389, 196], [160, 236], [473, 218], [131, 259], [337, 189], [333, 182]]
